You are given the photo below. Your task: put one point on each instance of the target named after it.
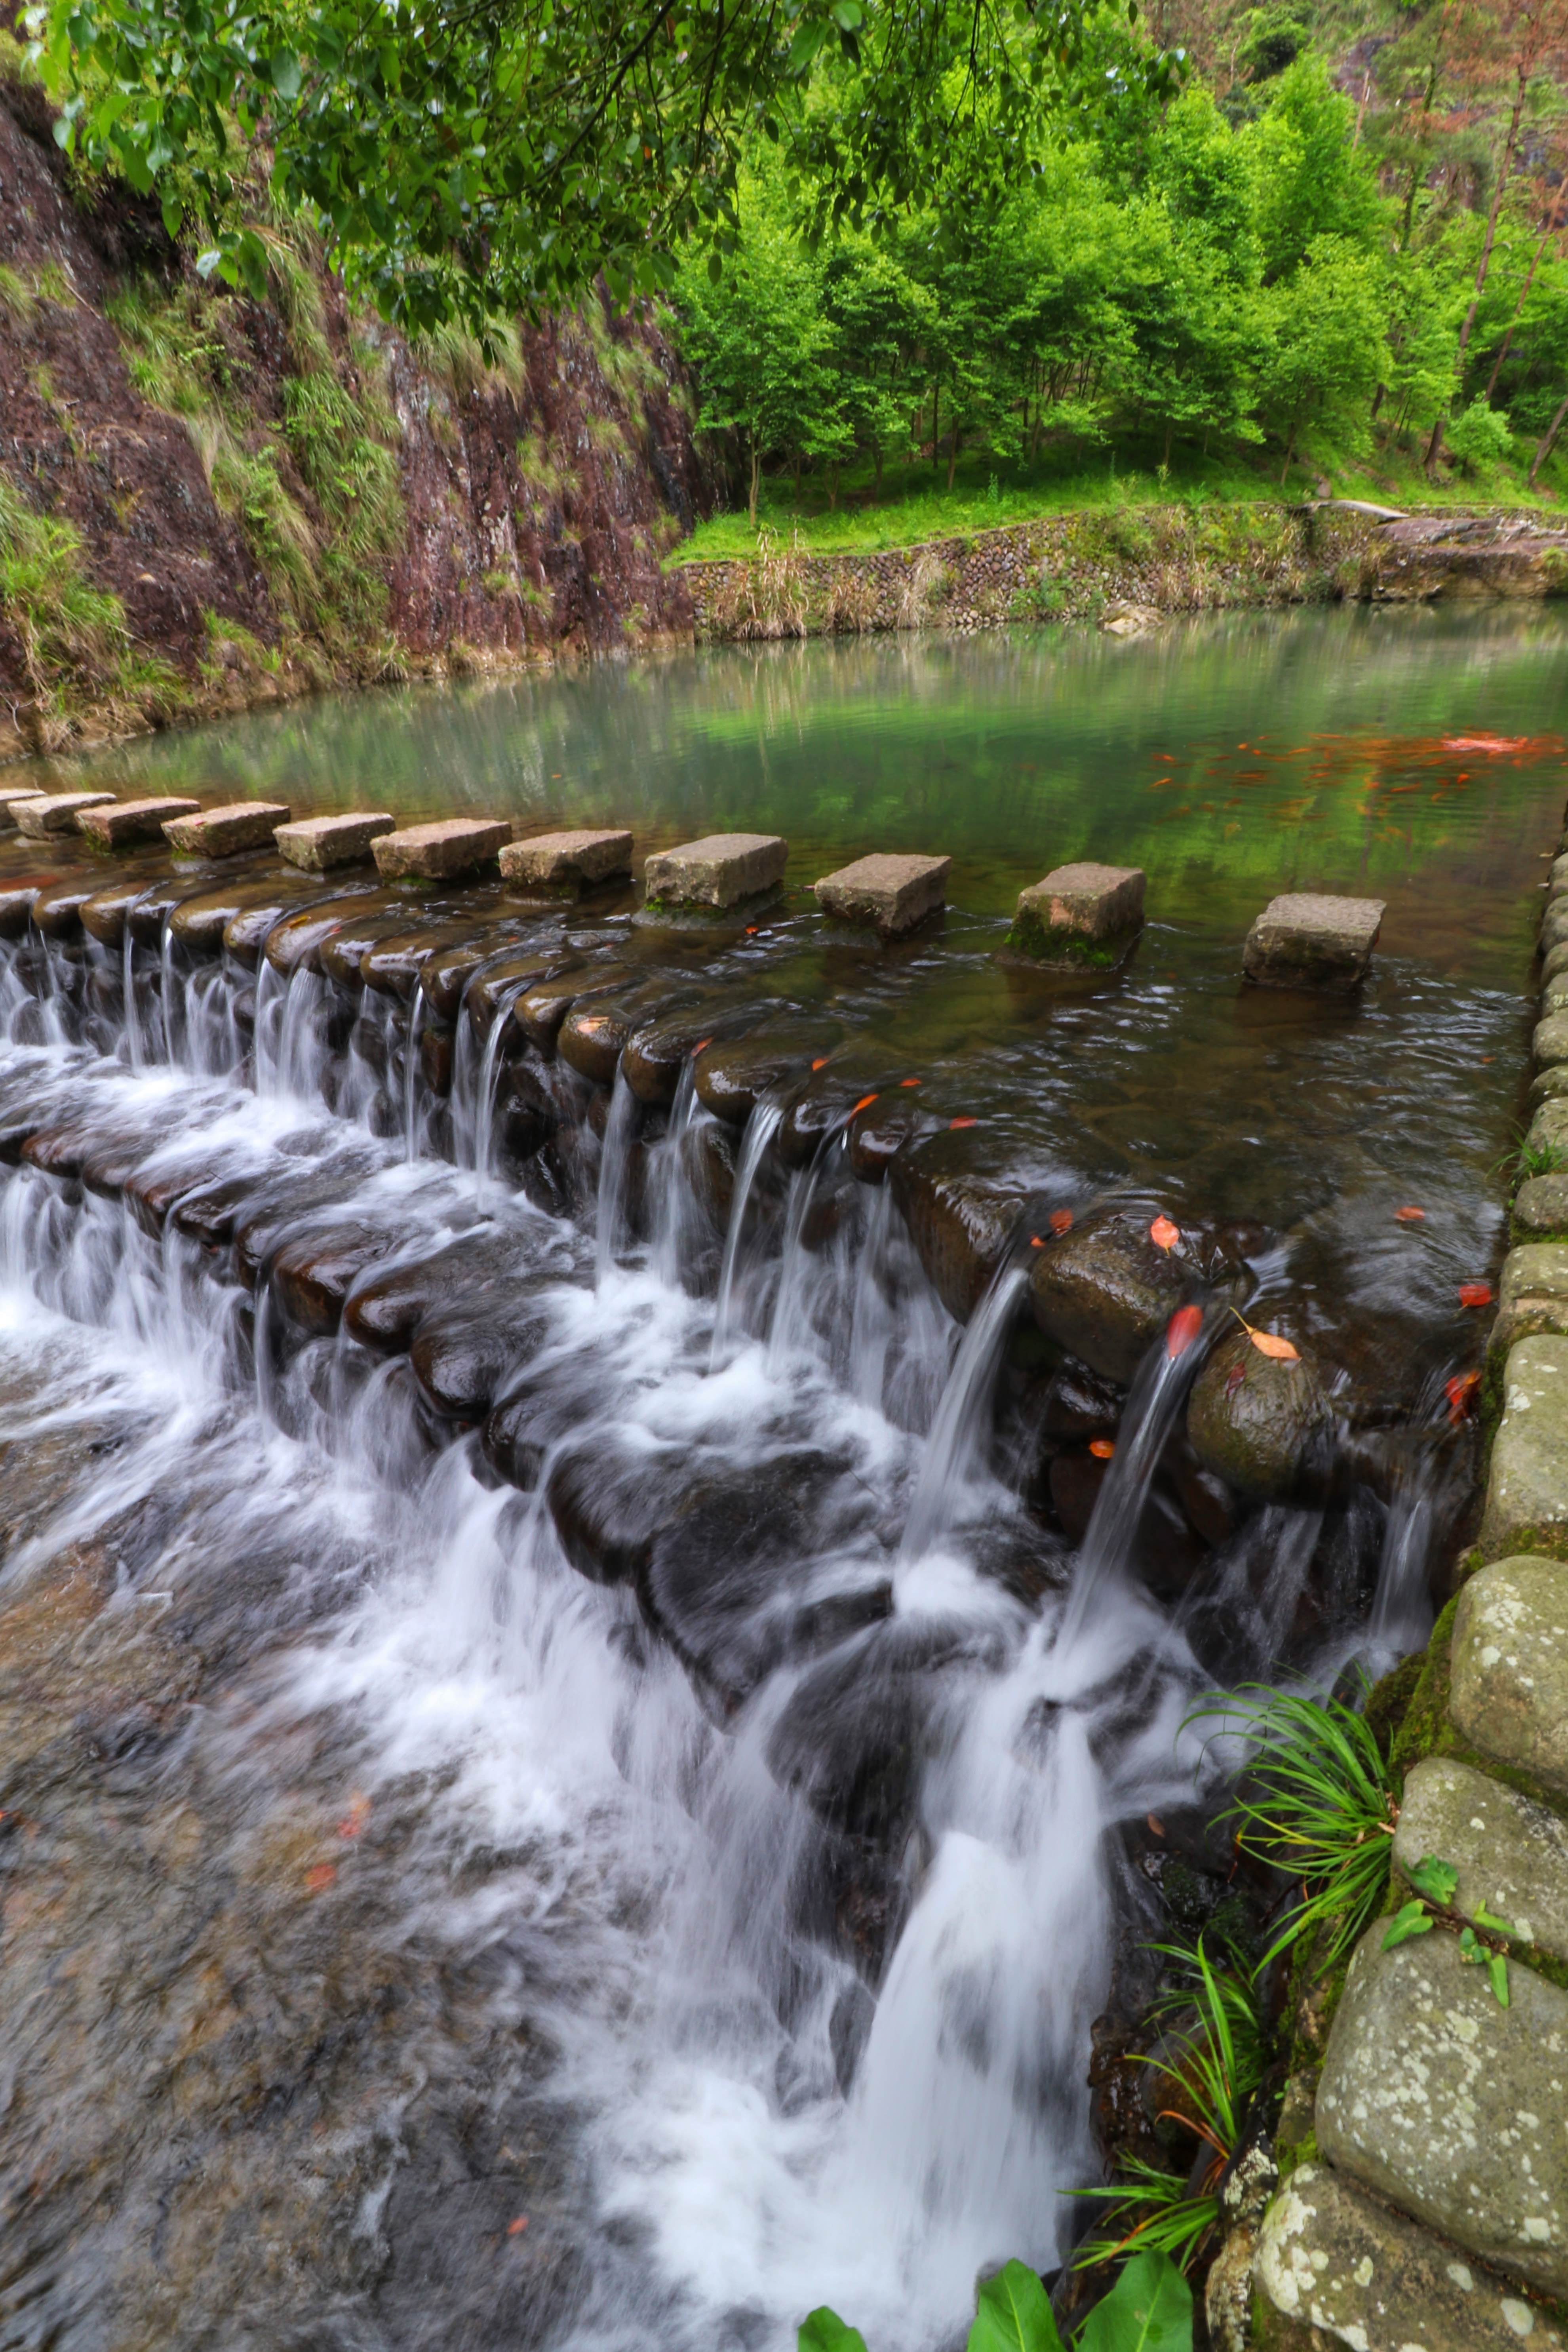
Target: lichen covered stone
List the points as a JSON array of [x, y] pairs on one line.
[[1527, 1483], [1511, 1853], [1508, 1691]]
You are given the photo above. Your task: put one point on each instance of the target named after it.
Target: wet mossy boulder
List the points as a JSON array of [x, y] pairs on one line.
[[1105, 1291], [962, 1218], [1260, 1423], [733, 1074]]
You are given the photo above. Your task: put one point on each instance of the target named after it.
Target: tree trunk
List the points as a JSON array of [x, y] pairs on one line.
[[876, 485], [1524, 290], [935, 423], [751, 496], [832, 489], [1290, 453], [1433, 447], [1545, 451], [1377, 401], [952, 455]]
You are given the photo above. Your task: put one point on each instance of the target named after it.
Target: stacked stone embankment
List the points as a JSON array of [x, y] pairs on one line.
[[1433, 2212]]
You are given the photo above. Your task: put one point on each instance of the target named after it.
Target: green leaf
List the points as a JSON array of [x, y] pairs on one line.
[[1436, 1880], [1485, 1919], [286, 73], [1149, 2309], [1470, 1948], [823, 2331], [1013, 2314], [1415, 1919], [1497, 1968]]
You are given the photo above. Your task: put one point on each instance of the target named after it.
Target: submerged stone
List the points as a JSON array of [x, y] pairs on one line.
[[719, 870], [1083, 914], [1306, 939], [565, 862], [116, 824], [1436, 2096], [393, 963], [202, 923], [1508, 1674], [54, 811], [1331, 2258], [962, 1219], [463, 1357], [1262, 1425], [225, 832], [294, 941], [445, 976], [340, 953], [879, 1132], [16, 906], [1527, 1482], [543, 1004], [457, 844], [1511, 1853], [57, 909], [322, 843], [894, 893], [733, 1072], [597, 1030], [103, 915], [1105, 1291], [658, 1050], [501, 979]]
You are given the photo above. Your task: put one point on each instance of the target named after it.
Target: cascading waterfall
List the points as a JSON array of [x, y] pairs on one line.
[[760, 1128], [962, 1417], [614, 1173]]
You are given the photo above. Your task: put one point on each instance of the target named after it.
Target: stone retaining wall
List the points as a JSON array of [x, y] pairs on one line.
[[1434, 2210], [1124, 567]]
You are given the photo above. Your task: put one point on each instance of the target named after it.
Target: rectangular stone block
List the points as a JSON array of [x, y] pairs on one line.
[[1331, 2258], [1509, 1667], [320, 844], [1527, 1484], [1450, 2106], [1082, 913], [434, 853], [1550, 1043], [892, 891], [1532, 1295], [1307, 941], [719, 870], [225, 832], [115, 825], [55, 812], [567, 862], [1511, 1853], [12, 802]]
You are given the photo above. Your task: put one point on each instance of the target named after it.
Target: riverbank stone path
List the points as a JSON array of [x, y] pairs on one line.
[[892, 892], [116, 824], [49, 813], [438, 852], [320, 844], [719, 870], [226, 832], [1306, 939], [567, 862]]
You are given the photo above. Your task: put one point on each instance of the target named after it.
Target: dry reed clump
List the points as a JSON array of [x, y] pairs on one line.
[[852, 604], [765, 596]]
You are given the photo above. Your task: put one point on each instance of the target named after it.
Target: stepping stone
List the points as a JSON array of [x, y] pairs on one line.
[[1306, 941], [565, 862], [433, 853], [225, 832], [14, 801], [1527, 1484], [719, 870], [116, 823], [892, 892], [1507, 1692], [1511, 1853], [1083, 914], [1533, 1297], [1437, 2097], [1329, 2258], [54, 811], [319, 843]]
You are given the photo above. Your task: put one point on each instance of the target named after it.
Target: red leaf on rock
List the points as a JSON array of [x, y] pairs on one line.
[[1475, 1294], [964, 1122], [820, 1063], [909, 1082], [358, 1813], [1061, 1221], [1235, 1376], [1163, 1234], [513, 2228], [1103, 1448], [865, 1102], [1460, 1392], [1181, 1329], [1410, 1216], [320, 1876]]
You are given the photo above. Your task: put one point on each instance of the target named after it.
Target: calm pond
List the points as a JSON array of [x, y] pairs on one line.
[[616, 1826]]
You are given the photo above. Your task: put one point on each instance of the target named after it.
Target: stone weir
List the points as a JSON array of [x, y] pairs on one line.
[[1431, 2208]]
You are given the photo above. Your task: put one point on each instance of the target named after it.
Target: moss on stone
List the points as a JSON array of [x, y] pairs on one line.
[[1053, 944]]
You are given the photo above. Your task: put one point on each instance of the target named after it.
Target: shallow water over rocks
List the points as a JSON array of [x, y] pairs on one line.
[[582, 1711]]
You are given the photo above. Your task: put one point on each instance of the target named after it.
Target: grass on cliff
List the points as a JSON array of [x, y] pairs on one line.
[[74, 642], [912, 504]]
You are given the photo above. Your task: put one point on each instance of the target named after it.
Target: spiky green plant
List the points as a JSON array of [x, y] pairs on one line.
[[1214, 2068], [1317, 1799]]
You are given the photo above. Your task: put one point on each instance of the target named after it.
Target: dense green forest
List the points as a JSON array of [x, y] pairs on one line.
[[1262, 277]]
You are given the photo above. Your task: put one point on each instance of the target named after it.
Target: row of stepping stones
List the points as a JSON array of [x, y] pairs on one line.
[[1436, 2211], [1081, 913]]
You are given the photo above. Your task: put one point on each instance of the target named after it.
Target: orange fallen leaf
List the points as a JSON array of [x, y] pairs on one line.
[[320, 1876], [1103, 1448], [512, 2228], [964, 1122], [909, 1082], [1061, 1221], [1475, 1294], [703, 1045], [864, 1104], [1182, 1328], [1156, 1825], [1460, 1392], [1163, 1234], [820, 1063], [1410, 1216], [1279, 1351], [750, 930], [358, 1813]]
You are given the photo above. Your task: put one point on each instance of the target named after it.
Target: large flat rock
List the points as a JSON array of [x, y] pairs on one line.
[[567, 862], [1511, 1853], [115, 825], [1527, 1484], [225, 832], [434, 853], [319, 843], [1306, 939], [1508, 1691], [894, 893], [1334, 2258], [1450, 2106], [54, 811], [719, 870], [1077, 914]]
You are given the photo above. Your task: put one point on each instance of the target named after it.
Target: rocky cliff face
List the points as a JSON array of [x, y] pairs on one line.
[[206, 502]]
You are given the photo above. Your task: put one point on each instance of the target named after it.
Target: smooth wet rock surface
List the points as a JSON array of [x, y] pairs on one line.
[[1260, 1424], [1105, 1291]]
